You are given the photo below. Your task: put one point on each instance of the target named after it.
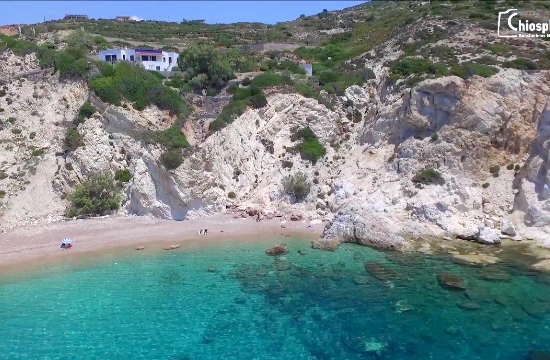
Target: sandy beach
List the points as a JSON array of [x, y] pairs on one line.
[[33, 246]]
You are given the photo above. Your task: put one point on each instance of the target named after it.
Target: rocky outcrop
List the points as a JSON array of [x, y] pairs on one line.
[[362, 227]]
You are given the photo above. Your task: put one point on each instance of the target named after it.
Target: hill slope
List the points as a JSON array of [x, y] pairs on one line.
[[419, 121]]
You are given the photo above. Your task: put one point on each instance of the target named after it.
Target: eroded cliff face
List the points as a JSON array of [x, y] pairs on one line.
[[362, 188]]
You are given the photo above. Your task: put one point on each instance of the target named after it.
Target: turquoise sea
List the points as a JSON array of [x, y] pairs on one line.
[[314, 305]]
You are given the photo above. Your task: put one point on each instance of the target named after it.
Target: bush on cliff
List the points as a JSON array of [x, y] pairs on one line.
[[428, 176], [96, 196], [171, 159], [310, 148], [297, 185]]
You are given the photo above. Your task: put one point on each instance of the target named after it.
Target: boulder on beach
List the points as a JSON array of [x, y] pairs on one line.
[[140, 247], [507, 227], [487, 235], [451, 282], [172, 247]]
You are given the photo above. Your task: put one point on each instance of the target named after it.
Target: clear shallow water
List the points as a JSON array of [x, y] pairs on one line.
[[320, 305]]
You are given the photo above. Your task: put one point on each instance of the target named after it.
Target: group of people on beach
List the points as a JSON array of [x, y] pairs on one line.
[[203, 232]]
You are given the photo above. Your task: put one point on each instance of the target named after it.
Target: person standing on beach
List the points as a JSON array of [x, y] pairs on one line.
[[205, 231]]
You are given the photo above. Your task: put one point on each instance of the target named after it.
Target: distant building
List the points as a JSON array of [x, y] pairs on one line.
[[308, 68], [75, 17], [155, 60], [123, 18]]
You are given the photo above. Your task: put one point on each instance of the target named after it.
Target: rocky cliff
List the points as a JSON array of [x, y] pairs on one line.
[[363, 188]]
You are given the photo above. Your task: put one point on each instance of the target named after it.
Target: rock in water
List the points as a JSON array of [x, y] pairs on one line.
[[359, 344], [507, 227], [283, 266], [451, 282], [380, 272], [277, 250], [468, 305], [212, 269], [487, 236], [538, 355]]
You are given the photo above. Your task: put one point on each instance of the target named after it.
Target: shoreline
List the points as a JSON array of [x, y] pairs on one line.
[[34, 247]]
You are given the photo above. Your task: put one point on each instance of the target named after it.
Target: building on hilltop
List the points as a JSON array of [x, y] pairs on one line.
[[76, 17], [155, 60], [123, 18]]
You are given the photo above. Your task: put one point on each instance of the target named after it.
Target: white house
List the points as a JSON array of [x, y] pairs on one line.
[[156, 60]]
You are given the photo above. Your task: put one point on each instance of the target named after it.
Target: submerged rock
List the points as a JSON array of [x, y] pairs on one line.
[[468, 305], [361, 345], [283, 266], [380, 272], [403, 306], [538, 355], [451, 282], [496, 276], [212, 269], [277, 250]]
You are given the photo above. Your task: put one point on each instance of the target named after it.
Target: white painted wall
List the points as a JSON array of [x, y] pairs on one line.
[[162, 64]]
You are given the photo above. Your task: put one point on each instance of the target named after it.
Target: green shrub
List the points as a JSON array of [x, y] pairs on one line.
[[428, 176], [246, 81], [510, 167], [171, 159], [434, 137], [206, 68], [94, 197], [73, 140], [521, 64], [2, 194], [16, 131], [517, 168], [258, 101], [172, 138], [37, 152], [413, 66], [494, 169], [123, 175], [310, 148], [305, 91], [86, 110], [469, 70], [485, 185], [297, 185], [11, 120], [269, 79], [231, 195], [2, 92]]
